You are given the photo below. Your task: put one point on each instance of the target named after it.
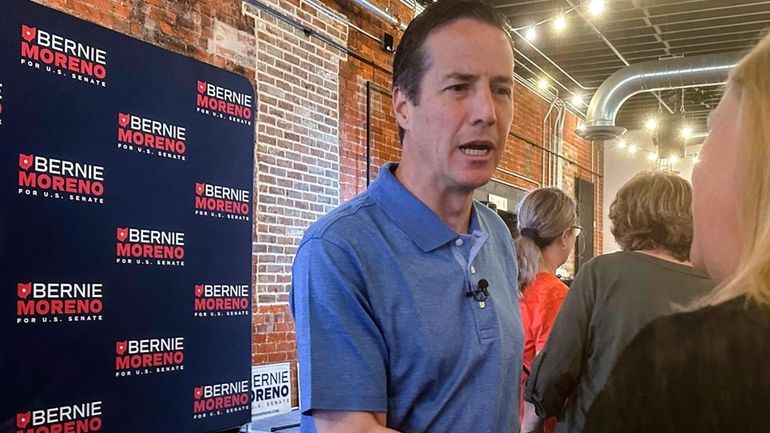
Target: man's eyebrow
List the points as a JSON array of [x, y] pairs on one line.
[[459, 76], [502, 80]]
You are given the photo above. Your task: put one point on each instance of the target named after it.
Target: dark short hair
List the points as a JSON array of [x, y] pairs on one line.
[[409, 62], [653, 210]]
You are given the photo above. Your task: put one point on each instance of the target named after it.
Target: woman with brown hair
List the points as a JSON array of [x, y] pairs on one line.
[[547, 222], [707, 370], [615, 295]]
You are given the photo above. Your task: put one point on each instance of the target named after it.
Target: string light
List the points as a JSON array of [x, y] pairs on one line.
[[542, 84], [673, 159], [653, 156], [577, 100], [560, 23], [686, 132], [531, 34], [632, 149], [651, 123], [622, 143], [596, 7]]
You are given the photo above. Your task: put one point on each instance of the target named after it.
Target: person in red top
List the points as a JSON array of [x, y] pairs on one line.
[[547, 222]]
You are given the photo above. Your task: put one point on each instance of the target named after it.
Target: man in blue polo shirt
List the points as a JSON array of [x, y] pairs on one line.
[[405, 298]]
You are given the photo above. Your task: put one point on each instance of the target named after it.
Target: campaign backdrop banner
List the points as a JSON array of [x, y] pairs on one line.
[[126, 177]]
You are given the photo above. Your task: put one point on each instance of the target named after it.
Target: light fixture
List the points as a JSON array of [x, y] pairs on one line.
[[622, 143], [596, 7], [673, 159], [531, 34], [686, 132], [651, 123], [653, 156], [560, 23], [542, 84], [632, 149], [577, 100], [581, 126]]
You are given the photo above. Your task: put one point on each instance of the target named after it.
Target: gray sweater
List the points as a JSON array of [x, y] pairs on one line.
[[612, 298]]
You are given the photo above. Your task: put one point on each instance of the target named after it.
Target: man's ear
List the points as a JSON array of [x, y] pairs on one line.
[[401, 107]]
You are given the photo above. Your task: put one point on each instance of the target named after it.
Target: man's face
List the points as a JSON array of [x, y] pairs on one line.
[[458, 129]]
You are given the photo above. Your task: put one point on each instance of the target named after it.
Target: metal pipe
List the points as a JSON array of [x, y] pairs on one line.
[[612, 48], [516, 175], [705, 70], [551, 61], [376, 10]]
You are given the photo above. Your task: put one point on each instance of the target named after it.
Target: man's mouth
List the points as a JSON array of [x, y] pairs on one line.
[[477, 148]]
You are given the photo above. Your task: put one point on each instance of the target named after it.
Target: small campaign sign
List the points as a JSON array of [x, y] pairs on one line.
[[271, 385]]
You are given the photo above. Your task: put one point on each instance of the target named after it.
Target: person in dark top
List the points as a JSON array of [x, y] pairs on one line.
[[615, 295], [708, 370]]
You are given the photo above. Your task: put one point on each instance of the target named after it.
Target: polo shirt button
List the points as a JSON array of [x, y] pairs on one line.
[[473, 270], [459, 242]]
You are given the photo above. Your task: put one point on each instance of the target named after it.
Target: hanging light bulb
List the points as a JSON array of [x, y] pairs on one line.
[[632, 149], [560, 23], [596, 7], [622, 143], [531, 34], [542, 84], [686, 132], [577, 100], [673, 159], [653, 156], [651, 124]]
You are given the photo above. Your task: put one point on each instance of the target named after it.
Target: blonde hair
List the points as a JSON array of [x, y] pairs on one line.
[[751, 82], [653, 210], [542, 215]]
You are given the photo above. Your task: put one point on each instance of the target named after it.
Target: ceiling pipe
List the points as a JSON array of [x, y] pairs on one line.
[[381, 13], [695, 71]]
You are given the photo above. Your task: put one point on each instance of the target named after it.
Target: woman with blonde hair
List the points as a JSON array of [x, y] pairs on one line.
[[547, 222], [707, 370], [615, 295]]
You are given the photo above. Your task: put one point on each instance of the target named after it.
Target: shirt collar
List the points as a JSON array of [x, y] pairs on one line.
[[410, 214]]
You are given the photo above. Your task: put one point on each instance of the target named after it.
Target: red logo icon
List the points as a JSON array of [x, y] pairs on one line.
[[25, 161], [199, 188], [123, 119], [198, 393], [199, 290], [120, 347], [122, 234], [23, 290], [22, 419], [28, 33], [201, 86]]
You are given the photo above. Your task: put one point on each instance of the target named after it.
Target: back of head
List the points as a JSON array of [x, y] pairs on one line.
[[751, 81], [653, 211], [410, 63], [543, 215]]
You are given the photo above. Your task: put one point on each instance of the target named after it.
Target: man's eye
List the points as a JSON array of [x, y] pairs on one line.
[[458, 87], [506, 91]]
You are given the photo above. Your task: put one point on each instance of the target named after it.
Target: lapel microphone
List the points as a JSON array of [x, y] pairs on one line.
[[481, 293]]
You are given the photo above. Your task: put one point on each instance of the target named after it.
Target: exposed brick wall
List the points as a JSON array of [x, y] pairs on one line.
[[311, 127], [297, 160]]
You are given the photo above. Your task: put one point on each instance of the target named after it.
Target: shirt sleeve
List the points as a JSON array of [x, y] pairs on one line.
[[557, 369], [342, 353]]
